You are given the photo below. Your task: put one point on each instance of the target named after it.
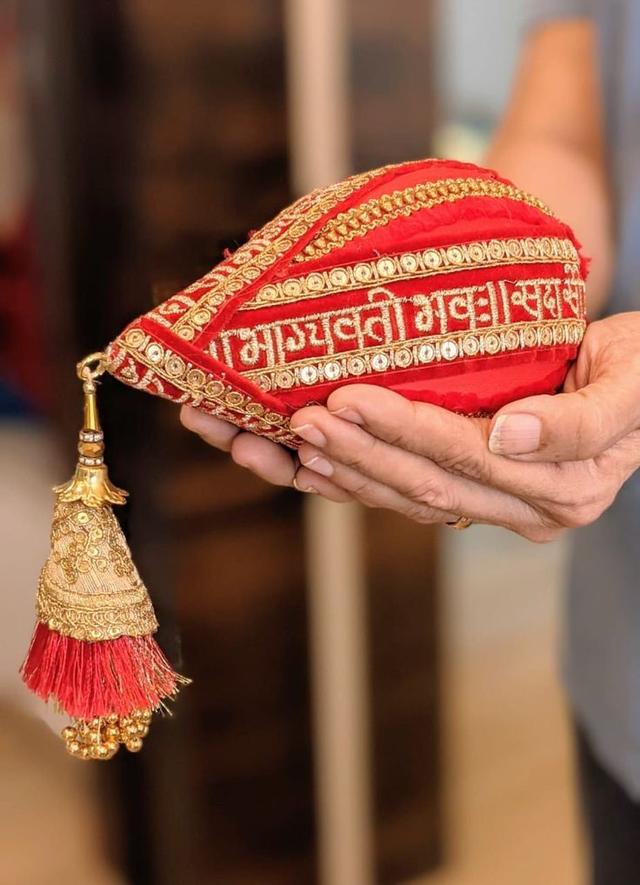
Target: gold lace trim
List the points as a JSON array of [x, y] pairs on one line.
[[379, 318], [97, 621], [423, 351], [412, 265], [389, 332], [89, 588], [359, 220], [136, 349]]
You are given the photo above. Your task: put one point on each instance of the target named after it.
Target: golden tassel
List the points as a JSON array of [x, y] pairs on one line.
[[93, 650]]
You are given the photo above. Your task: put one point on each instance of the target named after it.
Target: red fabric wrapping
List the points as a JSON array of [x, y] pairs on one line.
[[437, 279]]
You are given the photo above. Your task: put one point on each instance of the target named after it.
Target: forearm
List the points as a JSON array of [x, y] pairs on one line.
[[572, 185], [551, 139]]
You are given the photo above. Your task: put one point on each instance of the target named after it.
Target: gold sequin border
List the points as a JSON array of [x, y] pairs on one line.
[[96, 617], [201, 389], [417, 264], [359, 220], [428, 350]]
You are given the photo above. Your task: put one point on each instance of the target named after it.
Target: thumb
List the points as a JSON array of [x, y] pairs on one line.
[[569, 426]]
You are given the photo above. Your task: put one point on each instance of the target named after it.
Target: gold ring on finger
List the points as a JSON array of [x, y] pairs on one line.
[[463, 522]]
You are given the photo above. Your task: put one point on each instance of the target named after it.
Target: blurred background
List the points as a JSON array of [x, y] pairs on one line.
[[373, 701]]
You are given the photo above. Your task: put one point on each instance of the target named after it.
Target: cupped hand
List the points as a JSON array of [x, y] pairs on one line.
[[266, 459], [542, 465]]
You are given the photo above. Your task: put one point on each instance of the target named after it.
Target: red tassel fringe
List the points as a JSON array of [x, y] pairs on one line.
[[89, 679]]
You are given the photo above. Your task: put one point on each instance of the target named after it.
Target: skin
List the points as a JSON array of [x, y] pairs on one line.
[[543, 464]]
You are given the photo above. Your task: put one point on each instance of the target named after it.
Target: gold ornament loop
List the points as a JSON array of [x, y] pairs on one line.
[[91, 367], [90, 483]]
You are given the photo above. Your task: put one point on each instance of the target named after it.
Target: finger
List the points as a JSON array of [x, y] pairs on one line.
[[411, 476], [456, 443], [214, 431], [569, 426], [600, 404], [266, 459], [367, 490], [515, 515], [622, 460], [307, 481]]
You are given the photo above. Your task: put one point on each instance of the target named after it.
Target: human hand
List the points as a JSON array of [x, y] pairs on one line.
[[542, 465], [265, 458]]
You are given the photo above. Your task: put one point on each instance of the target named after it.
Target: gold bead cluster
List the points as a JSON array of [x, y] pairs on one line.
[[100, 738]]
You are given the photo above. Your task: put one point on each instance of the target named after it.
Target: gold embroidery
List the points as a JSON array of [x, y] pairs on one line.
[[359, 220], [199, 388], [145, 363], [250, 261], [388, 332], [421, 351], [412, 265], [382, 318], [89, 588]]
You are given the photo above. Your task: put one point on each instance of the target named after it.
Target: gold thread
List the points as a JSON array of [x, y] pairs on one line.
[[91, 624], [137, 350], [427, 350], [385, 318], [359, 220], [145, 363], [89, 588], [415, 265]]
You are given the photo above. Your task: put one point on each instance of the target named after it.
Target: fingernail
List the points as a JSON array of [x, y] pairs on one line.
[[300, 488], [319, 465], [193, 419], [311, 434], [515, 435], [348, 414]]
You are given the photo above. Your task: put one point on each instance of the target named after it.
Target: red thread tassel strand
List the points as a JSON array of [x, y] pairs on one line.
[[89, 679]]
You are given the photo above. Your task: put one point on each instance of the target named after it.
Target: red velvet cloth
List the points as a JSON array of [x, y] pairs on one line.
[[437, 279]]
